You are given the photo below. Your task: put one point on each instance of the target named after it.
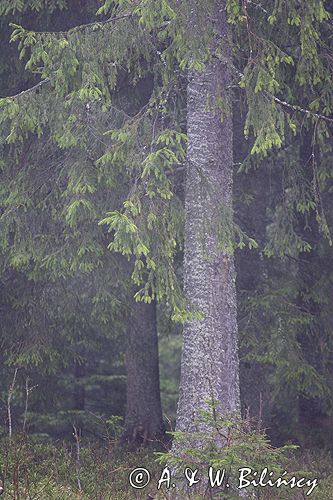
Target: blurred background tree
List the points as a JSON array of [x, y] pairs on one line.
[[102, 138]]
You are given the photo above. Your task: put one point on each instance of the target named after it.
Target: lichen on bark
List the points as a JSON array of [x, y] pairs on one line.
[[209, 367]]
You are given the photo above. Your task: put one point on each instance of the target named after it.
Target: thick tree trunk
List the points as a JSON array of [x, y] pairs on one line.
[[144, 420], [209, 367]]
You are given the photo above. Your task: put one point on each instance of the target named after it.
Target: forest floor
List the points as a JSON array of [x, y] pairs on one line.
[[33, 468]]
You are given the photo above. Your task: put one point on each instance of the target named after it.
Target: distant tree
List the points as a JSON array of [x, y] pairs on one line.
[[280, 57]]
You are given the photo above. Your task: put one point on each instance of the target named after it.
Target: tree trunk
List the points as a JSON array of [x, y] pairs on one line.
[[310, 336], [144, 420], [255, 391], [209, 367], [79, 389]]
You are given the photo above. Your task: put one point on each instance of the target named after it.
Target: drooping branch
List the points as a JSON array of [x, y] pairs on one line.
[[293, 107], [99, 24], [95, 24]]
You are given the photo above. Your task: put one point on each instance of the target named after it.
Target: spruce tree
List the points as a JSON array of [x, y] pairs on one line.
[[281, 58], [209, 369]]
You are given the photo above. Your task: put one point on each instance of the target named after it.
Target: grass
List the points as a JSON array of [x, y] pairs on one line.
[[33, 469], [36, 468]]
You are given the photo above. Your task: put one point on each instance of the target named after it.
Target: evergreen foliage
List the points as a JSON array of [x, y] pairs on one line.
[[91, 188]]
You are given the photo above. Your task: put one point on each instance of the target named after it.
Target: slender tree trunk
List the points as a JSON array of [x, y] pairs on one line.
[[310, 336], [79, 389], [209, 367], [255, 392], [144, 420]]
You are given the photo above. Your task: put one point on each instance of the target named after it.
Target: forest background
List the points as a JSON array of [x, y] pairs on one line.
[[92, 187]]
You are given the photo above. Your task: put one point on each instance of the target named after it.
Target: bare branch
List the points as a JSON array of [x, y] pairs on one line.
[[9, 398], [308, 112], [31, 89], [77, 436], [258, 6], [28, 390]]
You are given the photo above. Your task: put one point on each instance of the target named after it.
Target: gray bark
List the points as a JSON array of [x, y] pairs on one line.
[[209, 367], [144, 420]]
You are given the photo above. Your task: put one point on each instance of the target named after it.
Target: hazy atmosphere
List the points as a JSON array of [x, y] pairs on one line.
[[166, 249]]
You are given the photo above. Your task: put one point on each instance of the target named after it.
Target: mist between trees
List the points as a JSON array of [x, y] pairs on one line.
[[165, 243]]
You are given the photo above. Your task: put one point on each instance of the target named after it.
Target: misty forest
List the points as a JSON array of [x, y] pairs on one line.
[[166, 249]]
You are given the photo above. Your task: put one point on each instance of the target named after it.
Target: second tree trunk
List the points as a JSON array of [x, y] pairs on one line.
[[143, 421]]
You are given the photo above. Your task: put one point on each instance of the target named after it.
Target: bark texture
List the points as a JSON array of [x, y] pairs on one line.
[[209, 367], [143, 421]]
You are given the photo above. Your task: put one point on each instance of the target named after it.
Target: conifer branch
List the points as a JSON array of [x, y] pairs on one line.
[[294, 107], [308, 112], [27, 91], [81, 27]]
